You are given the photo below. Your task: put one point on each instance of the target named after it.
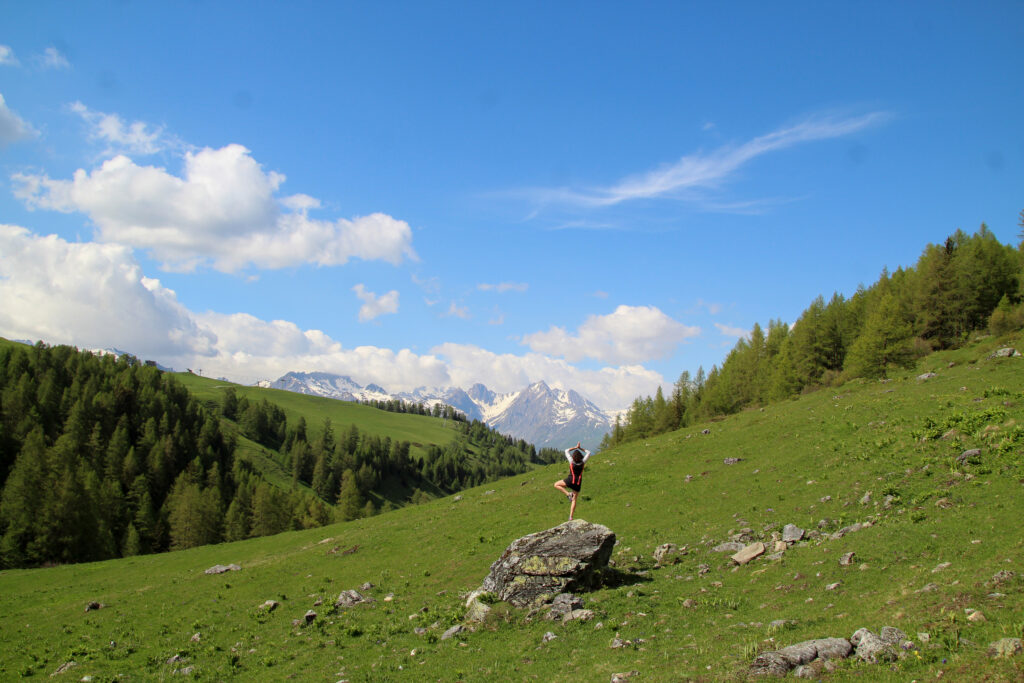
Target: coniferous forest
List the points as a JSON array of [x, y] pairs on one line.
[[965, 285], [104, 457]]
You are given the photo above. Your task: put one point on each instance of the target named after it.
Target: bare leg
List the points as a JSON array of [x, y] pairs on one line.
[[560, 485], [572, 507]]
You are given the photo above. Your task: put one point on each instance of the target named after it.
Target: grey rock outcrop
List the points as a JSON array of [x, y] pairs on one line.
[[536, 568], [1007, 352], [779, 662], [350, 598], [870, 647], [791, 533]]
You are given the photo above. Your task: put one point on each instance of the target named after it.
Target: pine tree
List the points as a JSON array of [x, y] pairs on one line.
[[350, 501], [884, 343]]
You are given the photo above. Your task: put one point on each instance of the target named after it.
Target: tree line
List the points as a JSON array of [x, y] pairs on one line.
[[352, 469], [103, 457], [966, 284]]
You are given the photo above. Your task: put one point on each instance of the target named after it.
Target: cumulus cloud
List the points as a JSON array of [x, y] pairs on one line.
[[12, 127], [373, 305], [110, 129], [631, 334], [91, 295], [53, 59], [611, 388], [503, 287], [221, 211], [96, 296], [705, 170], [7, 57]]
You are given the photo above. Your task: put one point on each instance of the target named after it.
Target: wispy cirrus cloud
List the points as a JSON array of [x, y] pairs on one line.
[[503, 287], [136, 137], [704, 170]]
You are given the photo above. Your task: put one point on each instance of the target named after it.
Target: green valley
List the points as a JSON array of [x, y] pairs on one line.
[[933, 545]]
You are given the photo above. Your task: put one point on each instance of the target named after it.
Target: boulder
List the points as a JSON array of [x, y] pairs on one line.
[[1006, 647], [780, 662], [791, 533], [1007, 352], [871, 648], [536, 568], [968, 455], [221, 568], [350, 598], [927, 375], [749, 553], [668, 553]]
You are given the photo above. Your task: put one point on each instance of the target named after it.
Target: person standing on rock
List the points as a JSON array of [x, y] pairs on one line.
[[570, 486]]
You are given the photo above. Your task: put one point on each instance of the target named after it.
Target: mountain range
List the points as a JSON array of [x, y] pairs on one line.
[[539, 414]]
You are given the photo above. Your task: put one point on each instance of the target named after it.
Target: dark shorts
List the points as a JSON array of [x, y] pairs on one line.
[[569, 485]]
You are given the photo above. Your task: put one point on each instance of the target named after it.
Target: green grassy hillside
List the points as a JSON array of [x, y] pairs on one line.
[[419, 430], [810, 462]]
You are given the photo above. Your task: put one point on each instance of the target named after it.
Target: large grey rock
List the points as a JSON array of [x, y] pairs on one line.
[[536, 568], [871, 648], [1008, 352], [791, 533], [780, 662]]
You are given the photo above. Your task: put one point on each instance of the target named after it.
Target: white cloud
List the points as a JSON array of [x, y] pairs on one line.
[[91, 295], [53, 59], [12, 127], [373, 305], [222, 211], [503, 287], [713, 308], [7, 57], [456, 311], [732, 331], [631, 334], [611, 388], [96, 296], [702, 171], [136, 137]]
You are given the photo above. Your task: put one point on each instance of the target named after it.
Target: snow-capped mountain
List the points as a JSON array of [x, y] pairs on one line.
[[539, 414]]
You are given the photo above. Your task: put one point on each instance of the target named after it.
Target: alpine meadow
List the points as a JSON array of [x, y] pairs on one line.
[[911, 439], [461, 342]]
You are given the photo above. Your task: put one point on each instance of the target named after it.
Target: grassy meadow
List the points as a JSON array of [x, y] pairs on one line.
[[811, 462]]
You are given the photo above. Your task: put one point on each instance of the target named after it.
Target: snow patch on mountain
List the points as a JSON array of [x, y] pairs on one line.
[[538, 414]]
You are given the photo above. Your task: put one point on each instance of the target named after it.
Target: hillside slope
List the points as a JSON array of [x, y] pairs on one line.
[[810, 462]]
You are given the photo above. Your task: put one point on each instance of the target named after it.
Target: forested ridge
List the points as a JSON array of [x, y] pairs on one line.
[[103, 457], [967, 284]]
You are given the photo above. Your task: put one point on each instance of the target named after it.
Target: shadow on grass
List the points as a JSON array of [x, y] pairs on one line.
[[613, 577]]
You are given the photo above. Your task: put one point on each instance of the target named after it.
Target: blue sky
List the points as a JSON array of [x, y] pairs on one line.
[[598, 195]]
